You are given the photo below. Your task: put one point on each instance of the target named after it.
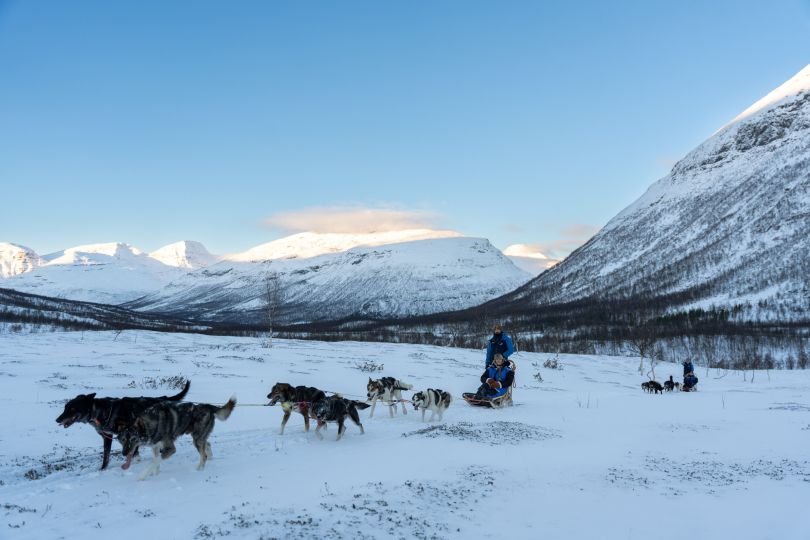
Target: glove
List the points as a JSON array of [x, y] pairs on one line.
[[493, 384]]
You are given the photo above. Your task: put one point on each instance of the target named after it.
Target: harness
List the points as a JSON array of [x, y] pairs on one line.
[[97, 423], [100, 431]]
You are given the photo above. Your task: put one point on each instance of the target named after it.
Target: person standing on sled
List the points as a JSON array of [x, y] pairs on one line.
[[689, 378], [499, 343], [496, 379]]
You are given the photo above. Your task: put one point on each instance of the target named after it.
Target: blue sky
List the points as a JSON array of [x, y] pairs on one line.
[[233, 123]]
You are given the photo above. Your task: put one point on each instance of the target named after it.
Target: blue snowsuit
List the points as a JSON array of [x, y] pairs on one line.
[[499, 343], [504, 375], [689, 378]]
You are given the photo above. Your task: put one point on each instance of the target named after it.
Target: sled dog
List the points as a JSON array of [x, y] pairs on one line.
[[433, 400], [161, 424], [109, 415], [389, 390], [336, 409], [295, 398]]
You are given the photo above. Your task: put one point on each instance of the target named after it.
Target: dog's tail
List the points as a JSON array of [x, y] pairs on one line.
[[361, 404], [403, 386], [182, 394], [225, 411]]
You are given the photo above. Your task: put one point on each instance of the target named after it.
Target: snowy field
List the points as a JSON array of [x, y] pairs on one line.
[[583, 454]]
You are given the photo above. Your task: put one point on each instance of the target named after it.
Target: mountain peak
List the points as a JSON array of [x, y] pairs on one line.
[[792, 87], [184, 254], [87, 251], [16, 259]]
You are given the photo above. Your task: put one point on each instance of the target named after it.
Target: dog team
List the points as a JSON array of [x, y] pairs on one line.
[[157, 422], [689, 384]]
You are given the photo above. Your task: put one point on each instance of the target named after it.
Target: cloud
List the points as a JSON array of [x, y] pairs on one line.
[[341, 219], [531, 251], [569, 238], [529, 257]]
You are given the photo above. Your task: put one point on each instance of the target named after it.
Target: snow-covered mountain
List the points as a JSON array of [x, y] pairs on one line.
[[16, 259], [321, 276], [185, 254], [310, 244], [392, 280], [729, 225], [109, 273]]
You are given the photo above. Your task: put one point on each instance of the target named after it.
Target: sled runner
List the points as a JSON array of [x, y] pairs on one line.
[[493, 403]]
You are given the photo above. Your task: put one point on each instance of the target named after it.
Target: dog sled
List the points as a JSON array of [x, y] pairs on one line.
[[496, 402]]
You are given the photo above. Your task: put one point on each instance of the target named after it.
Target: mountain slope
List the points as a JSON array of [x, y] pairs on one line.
[[727, 226], [23, 308], [394, 280]]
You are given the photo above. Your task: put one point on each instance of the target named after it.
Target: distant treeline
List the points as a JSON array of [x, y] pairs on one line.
[[719, 337], [18, 309]]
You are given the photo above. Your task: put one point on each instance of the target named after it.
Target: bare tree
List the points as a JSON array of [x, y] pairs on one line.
[[803, 356], [271, 297], [641, 345]]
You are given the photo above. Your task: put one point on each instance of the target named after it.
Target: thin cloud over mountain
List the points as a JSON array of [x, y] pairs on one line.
[[340, 219]]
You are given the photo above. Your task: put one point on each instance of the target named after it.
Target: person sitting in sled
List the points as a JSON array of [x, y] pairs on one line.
[[499, 343], [496, 379], [689, 378]]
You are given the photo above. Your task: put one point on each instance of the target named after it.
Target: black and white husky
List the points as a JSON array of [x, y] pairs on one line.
[[161, 424], [433, 400], [389, 390]]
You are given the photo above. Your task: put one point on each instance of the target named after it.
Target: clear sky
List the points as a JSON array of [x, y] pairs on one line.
[[233, 123]]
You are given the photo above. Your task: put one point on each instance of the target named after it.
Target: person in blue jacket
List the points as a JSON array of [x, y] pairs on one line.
[[496, 379], [499, 343], [690, 380]]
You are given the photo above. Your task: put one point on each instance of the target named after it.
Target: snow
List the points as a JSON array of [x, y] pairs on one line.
[[583, 454]]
